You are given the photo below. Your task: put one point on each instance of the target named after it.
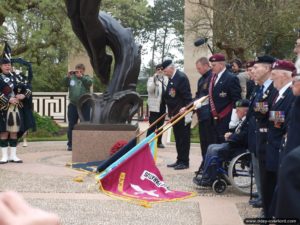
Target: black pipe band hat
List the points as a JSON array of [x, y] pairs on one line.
[[4, 61]]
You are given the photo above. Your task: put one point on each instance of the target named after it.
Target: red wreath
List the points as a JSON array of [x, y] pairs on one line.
[[117, 146]]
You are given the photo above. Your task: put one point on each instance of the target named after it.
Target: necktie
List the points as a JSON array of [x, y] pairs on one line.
[[259, 94], [213, 79]]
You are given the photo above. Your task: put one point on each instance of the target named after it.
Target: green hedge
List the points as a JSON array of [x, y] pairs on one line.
[[47, 130]]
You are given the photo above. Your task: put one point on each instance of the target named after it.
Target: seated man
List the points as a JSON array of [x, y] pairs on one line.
[[220, 152]]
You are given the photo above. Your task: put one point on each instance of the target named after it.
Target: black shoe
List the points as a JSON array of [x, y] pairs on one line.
[[173, 164], [160, 146], [256, 204], [202, 182], [199, 172], [69, 148], [181, 167], [197, 180], [3, 162]]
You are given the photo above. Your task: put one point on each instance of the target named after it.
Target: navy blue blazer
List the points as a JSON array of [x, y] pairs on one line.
[[262, 120], [287, 204], [239, 139], [252, 122], [276, 131], [293, 139], [178, 93], [202, 90], [226, 91]]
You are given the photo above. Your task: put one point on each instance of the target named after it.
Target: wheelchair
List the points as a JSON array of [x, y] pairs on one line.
[[236, 172]]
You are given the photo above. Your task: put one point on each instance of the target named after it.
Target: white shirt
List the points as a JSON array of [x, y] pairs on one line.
[[266, 84], [219, 75], [173, 74], [282, 90]]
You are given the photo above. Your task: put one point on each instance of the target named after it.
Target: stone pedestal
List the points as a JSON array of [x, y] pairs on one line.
[[92, 142]]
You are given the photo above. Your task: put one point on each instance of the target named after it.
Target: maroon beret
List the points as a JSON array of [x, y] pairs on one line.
[[250, 64], [218, 57], [283, 65]]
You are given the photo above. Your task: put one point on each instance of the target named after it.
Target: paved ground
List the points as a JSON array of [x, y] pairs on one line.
[[46, 182]]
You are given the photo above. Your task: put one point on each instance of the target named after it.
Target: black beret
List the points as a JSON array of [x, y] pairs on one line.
[[218, 57], [242, 103], [4, 61], [166, 63], [267, 59]]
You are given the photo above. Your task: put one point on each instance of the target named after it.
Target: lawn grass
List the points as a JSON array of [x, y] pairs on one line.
[[194, 135]]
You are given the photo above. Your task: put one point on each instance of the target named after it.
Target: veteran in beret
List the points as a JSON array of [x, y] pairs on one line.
[[224, 91], [281, 76], [260, 106], [178, 95]]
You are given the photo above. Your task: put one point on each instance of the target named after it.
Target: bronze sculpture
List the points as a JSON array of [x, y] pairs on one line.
[[96, 31]]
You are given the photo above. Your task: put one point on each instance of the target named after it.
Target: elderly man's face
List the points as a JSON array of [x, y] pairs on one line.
[[6, 68], [261, 72], [168, 71], [296, 86], [278, 78], [241, 112], [217, 67]]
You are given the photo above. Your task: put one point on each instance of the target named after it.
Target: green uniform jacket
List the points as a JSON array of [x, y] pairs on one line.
[[78, 86]]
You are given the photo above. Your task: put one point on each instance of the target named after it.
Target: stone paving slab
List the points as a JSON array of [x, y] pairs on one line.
[[95, 212], [46, 182]]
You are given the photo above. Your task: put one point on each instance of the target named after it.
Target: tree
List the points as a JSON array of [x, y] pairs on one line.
[[244, 28], [165, 29], [39, 31]]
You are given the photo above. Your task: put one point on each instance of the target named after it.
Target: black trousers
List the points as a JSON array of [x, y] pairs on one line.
[[152, 118], [73, 118], [207, 137], [182, 135], [269, 185]]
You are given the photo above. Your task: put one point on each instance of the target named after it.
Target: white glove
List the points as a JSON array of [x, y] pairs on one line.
[[188, 118]]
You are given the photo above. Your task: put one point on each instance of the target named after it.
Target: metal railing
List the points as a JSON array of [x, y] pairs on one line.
[[55, 105]]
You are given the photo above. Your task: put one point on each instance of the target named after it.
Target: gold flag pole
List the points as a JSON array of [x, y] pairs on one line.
[[193, 106], [152, 124]]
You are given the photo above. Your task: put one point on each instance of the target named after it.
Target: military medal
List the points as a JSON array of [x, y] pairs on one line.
[[172, 92], [278, 117], [261, 107], [223, 94]]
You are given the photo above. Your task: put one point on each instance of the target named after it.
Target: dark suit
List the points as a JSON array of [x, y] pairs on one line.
[[205, 126], [288, 194], [178, 95], [293, 139], [262, 120], [275, 136], [225, 92]]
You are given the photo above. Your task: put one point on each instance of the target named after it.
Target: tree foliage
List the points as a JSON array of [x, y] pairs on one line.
[[165, 30], [39, 31], [245, 28]]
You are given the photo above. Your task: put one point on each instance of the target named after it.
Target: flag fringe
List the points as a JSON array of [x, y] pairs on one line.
[[144, 203]]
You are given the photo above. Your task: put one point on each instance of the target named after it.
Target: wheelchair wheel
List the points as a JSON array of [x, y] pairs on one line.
[[239, 173], [219, 186]]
